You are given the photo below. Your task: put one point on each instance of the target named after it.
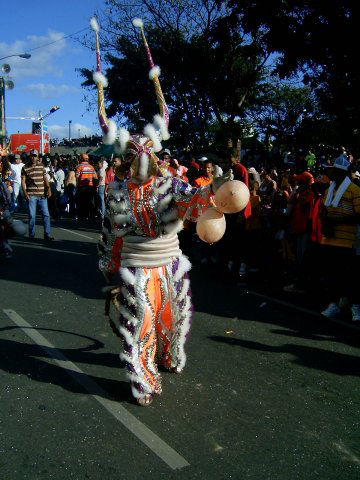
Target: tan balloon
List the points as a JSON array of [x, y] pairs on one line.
[[232, 197], [211, 226]]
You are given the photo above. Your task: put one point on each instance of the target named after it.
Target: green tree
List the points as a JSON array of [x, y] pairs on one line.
[[211, 71]]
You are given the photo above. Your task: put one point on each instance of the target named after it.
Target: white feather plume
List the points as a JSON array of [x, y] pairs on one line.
[[98, 77], [124, 137], [150, 132], [137, 22], [161, 124], [127, 276], [110, 137], [94, 24], [144, 166], [154, 72]]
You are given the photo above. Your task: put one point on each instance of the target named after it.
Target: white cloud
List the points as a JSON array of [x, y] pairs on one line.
[[42, 61], [77, 129], [49, 90]]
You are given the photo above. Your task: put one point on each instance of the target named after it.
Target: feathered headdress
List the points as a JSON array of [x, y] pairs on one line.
[[143, 147]]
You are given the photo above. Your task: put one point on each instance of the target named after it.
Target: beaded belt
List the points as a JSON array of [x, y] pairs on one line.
[[149, 252]]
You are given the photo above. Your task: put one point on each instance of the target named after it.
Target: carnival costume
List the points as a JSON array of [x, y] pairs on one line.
[[139, 244]]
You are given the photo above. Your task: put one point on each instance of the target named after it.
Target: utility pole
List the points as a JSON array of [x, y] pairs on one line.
[[69, 130], [2, 113]]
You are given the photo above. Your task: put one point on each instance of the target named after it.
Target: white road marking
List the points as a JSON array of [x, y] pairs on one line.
[[173, 459], [76, 233], [50, 249], [300, 309]]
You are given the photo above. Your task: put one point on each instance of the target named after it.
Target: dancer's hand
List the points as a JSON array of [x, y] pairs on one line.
[[218, 181]]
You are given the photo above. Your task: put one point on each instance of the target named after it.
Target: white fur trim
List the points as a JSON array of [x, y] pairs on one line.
[[121, 232], [137, 22], [143, 166], [117, 207], [127, 276], [150, 132], [127, 335], [154, 72], [98, 77], [124, 137], [164, 203], [127, 315], [94, 24], [174, 227], [184, 266], [134, 378], [164, 187], [110, 137], [184, 290], [169, 216], [121, 219], [185, 328], [161, 124], [129, 298]]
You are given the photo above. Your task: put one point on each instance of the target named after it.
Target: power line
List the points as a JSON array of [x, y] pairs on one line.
[[58, 40]]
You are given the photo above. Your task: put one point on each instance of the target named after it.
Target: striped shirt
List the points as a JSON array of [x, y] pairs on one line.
[[85, 174], [34, 180], [349, 206]]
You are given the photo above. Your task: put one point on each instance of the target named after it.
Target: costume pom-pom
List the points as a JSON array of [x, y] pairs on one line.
[[154, 72], [98, 77], [94, 24], [110, 137], [150, 132], [19, 227], [137, 22], [124, 137], [161, 124]]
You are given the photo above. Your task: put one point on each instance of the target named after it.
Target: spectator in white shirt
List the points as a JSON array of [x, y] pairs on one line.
[[16, 179]]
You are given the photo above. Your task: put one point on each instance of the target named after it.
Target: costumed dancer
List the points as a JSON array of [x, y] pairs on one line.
[[8, 226], [139, 247]]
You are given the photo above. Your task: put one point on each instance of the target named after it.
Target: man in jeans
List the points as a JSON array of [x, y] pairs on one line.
[[36, 190]]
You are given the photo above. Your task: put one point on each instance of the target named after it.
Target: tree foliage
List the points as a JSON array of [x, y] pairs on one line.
[[230, 64]]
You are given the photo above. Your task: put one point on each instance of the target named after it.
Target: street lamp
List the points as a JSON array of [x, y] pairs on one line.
[[70, 121], [6, 83], [21, 55]]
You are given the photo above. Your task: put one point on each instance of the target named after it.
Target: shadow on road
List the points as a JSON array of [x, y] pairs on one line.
[[310, 357], [22, 358], [56, 265]]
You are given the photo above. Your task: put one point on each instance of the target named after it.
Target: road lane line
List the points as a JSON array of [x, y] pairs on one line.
[[173, 459], [50, 249], [76, 233], [301, 309]]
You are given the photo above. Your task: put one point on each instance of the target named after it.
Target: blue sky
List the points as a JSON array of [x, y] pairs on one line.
[[48, 78]]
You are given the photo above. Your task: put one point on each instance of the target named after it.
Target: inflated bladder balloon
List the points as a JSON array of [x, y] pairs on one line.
[[232, 197], [211, 226]]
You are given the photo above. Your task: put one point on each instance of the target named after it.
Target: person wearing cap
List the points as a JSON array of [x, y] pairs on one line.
[[16, 169], [340, 217], [37, 190]]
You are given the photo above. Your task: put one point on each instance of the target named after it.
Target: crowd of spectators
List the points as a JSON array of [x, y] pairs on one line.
[[299, 232], [91, 141]]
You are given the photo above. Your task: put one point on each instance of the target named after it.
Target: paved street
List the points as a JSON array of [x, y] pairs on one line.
[[269, 392]]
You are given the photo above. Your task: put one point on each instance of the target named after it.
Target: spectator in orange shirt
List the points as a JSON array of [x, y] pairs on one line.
[[85, 179], [207, 177]]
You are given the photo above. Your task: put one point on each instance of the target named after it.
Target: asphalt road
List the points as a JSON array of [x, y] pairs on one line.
[[269, 392]]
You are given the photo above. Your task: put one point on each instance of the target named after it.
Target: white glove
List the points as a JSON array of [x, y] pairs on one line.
[[218, 181]]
